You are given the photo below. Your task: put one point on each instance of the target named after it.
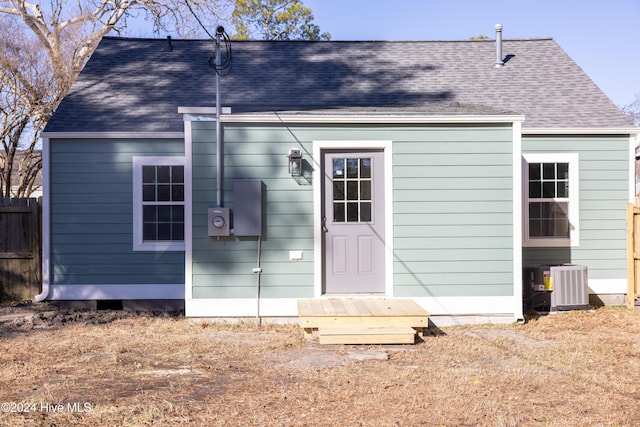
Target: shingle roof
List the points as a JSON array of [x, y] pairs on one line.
[[138, 84]]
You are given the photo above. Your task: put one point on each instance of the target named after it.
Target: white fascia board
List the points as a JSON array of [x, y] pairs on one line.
[[112, 135], [369, 118], [581, 131]]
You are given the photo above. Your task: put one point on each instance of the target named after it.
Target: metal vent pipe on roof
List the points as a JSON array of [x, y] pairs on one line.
[[499, 62]]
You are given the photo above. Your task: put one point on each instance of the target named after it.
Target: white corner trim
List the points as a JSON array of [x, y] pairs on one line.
[[517, 220], [46, 222], [634, 141], [188, 211]]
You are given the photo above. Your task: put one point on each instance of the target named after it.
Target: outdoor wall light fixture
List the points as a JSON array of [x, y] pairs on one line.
[[295, 162]]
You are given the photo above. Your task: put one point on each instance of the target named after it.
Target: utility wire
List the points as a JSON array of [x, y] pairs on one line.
[[198, 20], [225, 64]]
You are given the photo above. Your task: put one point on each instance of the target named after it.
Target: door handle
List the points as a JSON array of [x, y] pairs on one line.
[[324, 225]]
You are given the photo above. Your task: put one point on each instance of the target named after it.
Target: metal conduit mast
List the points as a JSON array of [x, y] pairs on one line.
[[219, 149]]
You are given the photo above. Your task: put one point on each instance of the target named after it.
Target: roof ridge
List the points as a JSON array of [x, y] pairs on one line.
[[162, 39]]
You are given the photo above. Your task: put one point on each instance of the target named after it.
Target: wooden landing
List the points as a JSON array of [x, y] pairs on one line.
[[362, 321]]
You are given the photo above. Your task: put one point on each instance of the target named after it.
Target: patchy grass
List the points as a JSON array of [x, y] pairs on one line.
[[576, 368]]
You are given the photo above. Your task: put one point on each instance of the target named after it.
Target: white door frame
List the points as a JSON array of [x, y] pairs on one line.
[[318, 148]]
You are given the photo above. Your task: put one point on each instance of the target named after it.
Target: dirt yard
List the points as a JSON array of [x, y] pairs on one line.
[[65, 368]]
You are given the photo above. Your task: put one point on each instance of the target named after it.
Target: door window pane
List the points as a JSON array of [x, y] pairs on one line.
[[338, 190], [365, 168], [338, 212], [365, 190], [365, 211], [338, 168], [352, 181], [352, 190], [352, 168], [352, 212]]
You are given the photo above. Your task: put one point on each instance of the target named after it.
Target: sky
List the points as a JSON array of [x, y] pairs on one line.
[[602, 37]]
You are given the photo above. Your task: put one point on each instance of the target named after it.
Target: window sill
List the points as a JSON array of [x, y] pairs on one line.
[[159, 246], [549, 243]]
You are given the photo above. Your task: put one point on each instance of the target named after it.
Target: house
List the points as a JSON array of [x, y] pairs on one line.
[[429, 170]]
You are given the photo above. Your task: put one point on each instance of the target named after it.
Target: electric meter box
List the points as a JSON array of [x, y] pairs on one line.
[[247, 207], [219, 220]]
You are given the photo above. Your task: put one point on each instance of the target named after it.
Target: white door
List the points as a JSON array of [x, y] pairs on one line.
[[353, 222]]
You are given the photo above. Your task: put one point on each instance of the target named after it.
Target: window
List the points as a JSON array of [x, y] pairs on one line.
[[158, 193], [551, 199], [352, 190]]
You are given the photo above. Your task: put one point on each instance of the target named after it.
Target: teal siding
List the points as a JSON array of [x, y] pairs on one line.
[[604, 193], [91, 214], [453, 212], [452, 209], [222, 267]]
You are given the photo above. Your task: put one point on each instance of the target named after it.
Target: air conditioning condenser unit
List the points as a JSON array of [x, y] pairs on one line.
[[556, 287]]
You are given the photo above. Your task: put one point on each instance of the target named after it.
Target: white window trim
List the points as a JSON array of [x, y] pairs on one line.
[[574, 199], [138, 243]]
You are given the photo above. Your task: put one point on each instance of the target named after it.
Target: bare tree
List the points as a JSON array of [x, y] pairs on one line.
[[632, 111], [26, 97], [43, 47]]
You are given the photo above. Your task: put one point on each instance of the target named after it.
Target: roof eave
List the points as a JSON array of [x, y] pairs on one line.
[[275, 117], [112, 135], [581, 131]]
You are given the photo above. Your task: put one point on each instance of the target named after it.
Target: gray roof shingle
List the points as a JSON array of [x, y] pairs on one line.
[[137, 84]]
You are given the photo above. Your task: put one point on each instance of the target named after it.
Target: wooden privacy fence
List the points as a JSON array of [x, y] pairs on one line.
[[633, 253], [20, 248]]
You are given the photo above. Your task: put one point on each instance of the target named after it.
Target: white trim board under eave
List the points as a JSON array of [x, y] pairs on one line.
[[367, 118], [580, 131], [112, 135]]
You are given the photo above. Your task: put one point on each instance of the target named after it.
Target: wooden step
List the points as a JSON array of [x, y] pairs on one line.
[[404, 335]]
